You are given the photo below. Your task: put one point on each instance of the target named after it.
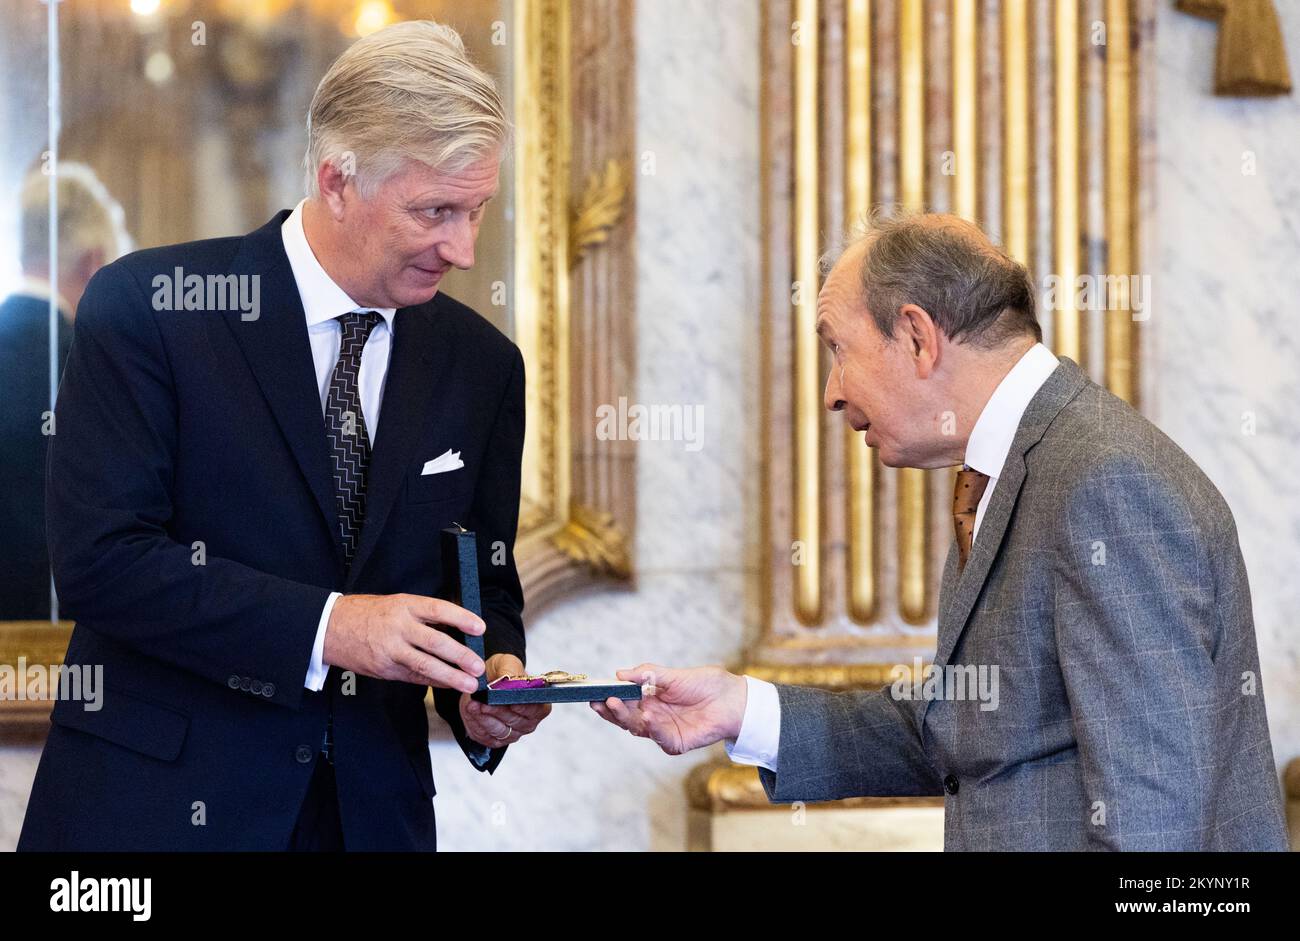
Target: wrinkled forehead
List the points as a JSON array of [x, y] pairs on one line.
[[841, 293], [474, 182]]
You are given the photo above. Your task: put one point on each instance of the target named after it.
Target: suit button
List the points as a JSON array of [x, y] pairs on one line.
[[246, 683], [950, 784], [256, 688], [233, 682], [268, 690], [304, 754]]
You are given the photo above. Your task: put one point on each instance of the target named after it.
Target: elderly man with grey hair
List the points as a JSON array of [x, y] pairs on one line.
[[260, 440], [1095, 568]]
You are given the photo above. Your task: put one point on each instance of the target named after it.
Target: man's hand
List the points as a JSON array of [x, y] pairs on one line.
[[395, 637], [498, 726], [681, 709]]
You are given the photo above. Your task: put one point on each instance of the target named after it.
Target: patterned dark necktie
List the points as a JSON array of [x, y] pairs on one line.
[[346, 429], [965, 503]]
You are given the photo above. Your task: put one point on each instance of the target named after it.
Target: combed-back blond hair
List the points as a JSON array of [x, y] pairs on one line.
[[90, 218], [405, 92]]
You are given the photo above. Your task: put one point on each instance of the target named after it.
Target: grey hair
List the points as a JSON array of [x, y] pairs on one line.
[[973, 290], [406, 92]]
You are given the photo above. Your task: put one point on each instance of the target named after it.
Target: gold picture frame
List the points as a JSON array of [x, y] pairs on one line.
[[573, 316]]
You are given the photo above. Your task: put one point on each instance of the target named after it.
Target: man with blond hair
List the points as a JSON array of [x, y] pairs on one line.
[[1096, 682], [90, 233], [250, 554]]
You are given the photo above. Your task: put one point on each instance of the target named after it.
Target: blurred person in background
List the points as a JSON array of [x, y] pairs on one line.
[[91, 234]]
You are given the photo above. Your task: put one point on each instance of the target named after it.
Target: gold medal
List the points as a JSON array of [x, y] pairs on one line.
[[553, 678], [559, 676]]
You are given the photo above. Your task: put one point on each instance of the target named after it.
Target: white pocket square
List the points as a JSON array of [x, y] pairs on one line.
[[444, 462]]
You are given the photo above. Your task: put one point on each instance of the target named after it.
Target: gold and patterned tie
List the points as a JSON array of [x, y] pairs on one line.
[[965, 501]]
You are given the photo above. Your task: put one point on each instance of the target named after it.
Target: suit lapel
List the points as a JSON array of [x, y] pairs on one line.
[[278, 352], [417, 368], [965, 587], [959, 592]]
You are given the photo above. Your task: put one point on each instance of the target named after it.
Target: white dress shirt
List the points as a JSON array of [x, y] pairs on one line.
[[324, 302], [986, 451]]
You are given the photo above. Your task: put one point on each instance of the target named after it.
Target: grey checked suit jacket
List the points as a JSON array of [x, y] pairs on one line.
[[1107, 585]]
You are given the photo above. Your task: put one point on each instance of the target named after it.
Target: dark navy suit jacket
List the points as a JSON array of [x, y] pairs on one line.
[[25, 374], [177, 428]]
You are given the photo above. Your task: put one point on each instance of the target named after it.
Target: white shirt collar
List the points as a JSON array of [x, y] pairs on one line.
[[990, 439], [322, 298]]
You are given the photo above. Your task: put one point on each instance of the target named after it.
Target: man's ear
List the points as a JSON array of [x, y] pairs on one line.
[[331, 181], [89, 263], [916, 328]]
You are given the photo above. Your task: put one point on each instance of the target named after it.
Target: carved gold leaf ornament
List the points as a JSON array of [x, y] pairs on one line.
[[603, 201], [592, 538], [1251, 57]]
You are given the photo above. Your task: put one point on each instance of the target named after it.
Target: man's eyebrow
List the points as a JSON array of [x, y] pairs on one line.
[[822, 327], [440, 199]]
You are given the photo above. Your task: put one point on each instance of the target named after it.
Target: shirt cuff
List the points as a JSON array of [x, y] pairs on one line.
[[317, 670], [760, 729]]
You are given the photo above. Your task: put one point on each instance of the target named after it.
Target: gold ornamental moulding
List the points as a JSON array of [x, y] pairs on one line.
[[601, 207], [718, 787], [562, 541], [833, 676], [1250, 60], [592, 538], [29, 643]]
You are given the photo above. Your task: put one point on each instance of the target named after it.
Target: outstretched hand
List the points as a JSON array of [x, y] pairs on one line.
[[680, 710]]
